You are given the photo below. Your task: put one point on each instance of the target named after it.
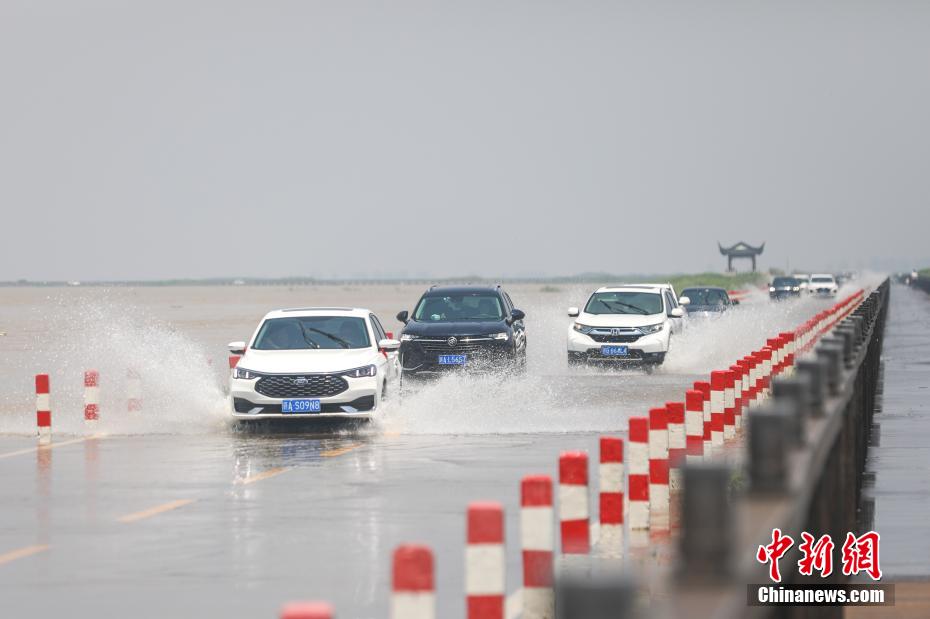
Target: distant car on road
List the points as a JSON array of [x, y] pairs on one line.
[[706, 301], [804, 278], [462, 327], [785, 288], [823, 285], [618, 324], [313, 363]]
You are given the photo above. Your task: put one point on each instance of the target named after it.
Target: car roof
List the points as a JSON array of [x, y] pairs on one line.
[[318, 311], [437, 291], [822, 275]]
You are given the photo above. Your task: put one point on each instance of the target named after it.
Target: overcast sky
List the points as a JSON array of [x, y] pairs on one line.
[[191, 139]]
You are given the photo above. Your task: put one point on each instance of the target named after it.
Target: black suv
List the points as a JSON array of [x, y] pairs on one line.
[[456, 327]]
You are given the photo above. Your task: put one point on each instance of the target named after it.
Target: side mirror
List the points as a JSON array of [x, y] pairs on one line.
[[734, 301], [236, 348], [684, 301], [516, 315], [387, 345], [403, 316], [573, 312], [676, 312]]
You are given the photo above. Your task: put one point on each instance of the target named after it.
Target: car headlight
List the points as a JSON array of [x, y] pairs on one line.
[[368, 370], [406, 337], [771, 288], [500, 336], [244, 374], [651, 328], [580, 328], [796, 289]]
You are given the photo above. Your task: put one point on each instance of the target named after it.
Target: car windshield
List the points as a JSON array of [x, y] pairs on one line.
[[706, 296], [822, 280], [470, 307], [780, 282], [624, 302], [312, 332]]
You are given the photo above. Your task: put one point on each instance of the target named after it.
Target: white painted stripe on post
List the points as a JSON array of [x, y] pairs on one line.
[[537, 529], [485, 569], [573, 502], [611, 477], [43, 402], [413, 605]]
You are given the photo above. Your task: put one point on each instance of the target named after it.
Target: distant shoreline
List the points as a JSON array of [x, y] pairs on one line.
[[709, 279]]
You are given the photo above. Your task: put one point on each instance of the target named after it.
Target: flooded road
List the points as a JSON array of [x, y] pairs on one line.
[[170, 512]]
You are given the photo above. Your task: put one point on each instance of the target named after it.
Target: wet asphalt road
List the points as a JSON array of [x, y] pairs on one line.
[[233, 525], [171, 515]]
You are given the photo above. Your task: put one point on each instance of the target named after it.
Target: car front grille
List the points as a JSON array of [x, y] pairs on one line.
[[605, 338], [465, 346], [301, 385]]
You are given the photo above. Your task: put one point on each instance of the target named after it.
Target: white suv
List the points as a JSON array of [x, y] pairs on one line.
[[823, 284], [624, 324], [311, 363]]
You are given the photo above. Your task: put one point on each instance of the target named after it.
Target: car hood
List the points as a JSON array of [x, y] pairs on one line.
[[445, 329], [619, 320], [306, 361]]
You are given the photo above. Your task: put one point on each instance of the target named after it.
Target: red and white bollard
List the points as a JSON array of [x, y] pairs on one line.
[[306, 610], [766, 354], [775, 344], [755, 376], [694, 426], [737, 370], [610, 477], [703, 387], [790, 348], [718, 387], [676, 443], [43, 409], [638, 480], [574, 514], [537, 537], [413, 594], [729, 406], [91, 396], [133, 391], [658, 470], [484, 562], [234, 360]]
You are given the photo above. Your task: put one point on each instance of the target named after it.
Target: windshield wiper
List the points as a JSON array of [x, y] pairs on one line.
[[307, 339], [338, 340], [621, 303]]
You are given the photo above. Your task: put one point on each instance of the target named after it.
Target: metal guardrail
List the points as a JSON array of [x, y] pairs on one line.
[[801, 471]]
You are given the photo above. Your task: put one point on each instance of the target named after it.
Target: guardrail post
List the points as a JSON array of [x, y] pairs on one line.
[[768, 448], [600, 596], [706, 540], [796, 392], [816, 372], [832, 355]]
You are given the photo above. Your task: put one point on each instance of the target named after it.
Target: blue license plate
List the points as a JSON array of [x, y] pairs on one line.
[[452, 359], [615, 351], [300, 406]]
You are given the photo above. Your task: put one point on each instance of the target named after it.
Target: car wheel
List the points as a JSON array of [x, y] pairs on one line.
[[573, 361]]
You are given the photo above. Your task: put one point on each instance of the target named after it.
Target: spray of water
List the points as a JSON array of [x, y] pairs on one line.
[[180, 392]]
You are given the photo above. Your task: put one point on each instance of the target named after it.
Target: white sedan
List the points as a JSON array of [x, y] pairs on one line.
[[313, 363]]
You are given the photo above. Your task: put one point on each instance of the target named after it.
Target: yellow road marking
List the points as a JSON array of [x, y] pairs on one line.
[[332, 453], [21, 553], [251, 479], [154, 511], [31, 450]]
